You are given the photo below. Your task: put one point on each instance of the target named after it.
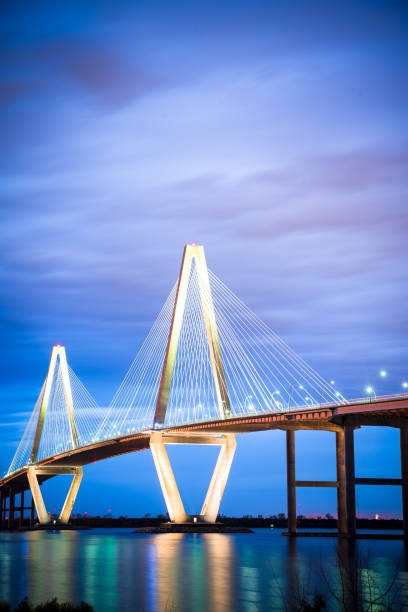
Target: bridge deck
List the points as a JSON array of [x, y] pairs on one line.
[[391, 413]]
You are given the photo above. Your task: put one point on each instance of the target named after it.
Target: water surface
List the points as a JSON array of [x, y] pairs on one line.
[[116, 570]]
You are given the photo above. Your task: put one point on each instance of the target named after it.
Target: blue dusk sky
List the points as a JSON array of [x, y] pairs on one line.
[[272, 132]]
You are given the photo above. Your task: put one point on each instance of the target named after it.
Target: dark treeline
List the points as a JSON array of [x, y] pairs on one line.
[[53, 605], [279, 521]]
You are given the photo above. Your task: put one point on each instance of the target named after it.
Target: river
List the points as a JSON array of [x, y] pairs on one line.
[[117, 570]]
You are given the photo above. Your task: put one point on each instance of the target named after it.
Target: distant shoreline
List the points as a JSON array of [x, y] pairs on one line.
[[246, 521]]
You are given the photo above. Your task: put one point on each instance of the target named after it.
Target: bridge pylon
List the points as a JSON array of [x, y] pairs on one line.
[[58, 353], [193, 255], [58, 359]]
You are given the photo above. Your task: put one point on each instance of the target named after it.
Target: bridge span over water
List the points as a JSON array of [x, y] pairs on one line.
[[208, 370]]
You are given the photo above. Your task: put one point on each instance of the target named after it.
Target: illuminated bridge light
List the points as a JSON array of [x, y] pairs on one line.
[[405, 385], [383, 373]]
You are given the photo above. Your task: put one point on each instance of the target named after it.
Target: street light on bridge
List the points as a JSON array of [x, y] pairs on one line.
[[370, 391]]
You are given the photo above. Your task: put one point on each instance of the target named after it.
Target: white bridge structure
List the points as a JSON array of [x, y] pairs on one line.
[[209, 369]]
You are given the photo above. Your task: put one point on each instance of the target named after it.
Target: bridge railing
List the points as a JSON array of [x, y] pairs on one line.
[[373, 399], [315, 406]]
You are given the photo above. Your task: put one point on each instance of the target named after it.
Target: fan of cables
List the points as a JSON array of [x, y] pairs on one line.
[[258, 372], [59, 433]]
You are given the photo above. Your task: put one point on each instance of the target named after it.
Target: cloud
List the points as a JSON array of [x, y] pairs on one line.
[[108, 78], [113, 80], [348, 171], [128, 132], [13, 423]]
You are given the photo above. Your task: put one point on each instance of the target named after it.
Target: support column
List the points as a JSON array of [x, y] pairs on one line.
[[11, 509], [291, 480], [168, 483], [32, 514], [219, 479], [71, 497], [350, 479], [21, 519], [341, 484], [4, 523], [42, 513], [404, 477], [1, 508]]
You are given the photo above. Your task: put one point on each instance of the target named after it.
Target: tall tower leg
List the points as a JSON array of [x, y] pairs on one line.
[[168, 483], [219, 479], [71, 497], [42, 513]]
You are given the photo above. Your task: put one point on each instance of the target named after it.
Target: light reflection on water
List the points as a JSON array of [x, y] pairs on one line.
[[116, 570]]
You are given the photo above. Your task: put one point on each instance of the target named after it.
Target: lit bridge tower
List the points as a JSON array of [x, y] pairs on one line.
[[193, 254]]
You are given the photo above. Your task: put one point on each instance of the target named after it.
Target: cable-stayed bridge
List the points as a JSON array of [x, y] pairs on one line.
[[208, 370]]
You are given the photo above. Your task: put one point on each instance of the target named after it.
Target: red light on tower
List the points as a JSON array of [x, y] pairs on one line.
[[193, 244]]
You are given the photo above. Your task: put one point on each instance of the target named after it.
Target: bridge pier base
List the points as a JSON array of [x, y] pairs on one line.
[[42, 514], [171, 494]]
